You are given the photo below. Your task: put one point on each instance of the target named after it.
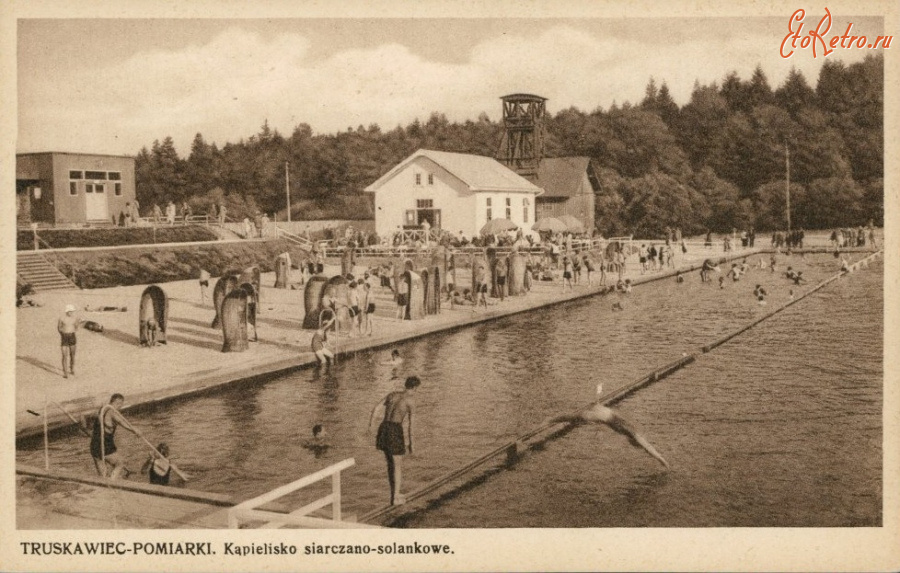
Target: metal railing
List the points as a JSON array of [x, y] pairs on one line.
[[249, 511]]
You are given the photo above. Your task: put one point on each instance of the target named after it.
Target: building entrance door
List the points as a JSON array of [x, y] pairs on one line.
[[96, 202], [433, 216]]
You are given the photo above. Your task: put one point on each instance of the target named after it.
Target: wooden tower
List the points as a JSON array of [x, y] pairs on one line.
[[522, 145]]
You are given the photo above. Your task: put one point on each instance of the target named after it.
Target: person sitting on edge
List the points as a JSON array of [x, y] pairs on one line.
[[318, 344], [398, 407]]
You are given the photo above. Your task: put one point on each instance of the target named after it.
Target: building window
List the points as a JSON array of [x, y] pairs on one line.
[[98, 175], [424, 203], [509, 208], [525, 209], [115, 176], [489, 217], [88, 187], [431, 178], [73, 188], [99, 188], [118, 189], [76, 175], [410, 218], [418, 178]]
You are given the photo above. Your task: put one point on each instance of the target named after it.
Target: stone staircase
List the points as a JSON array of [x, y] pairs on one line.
[[34, 269]]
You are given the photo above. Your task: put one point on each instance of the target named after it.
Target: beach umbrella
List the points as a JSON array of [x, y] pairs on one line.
[[495, 226], [573, 225], [551, 224]]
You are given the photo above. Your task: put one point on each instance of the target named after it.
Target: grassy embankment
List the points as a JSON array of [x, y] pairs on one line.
[[68, 238], [154, 264]]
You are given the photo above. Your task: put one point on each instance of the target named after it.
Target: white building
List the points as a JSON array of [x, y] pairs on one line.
[[452, 191]]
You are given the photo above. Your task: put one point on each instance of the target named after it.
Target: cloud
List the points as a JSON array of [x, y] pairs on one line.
[[228, 86]]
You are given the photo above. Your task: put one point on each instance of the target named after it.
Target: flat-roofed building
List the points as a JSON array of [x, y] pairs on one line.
[[60, 188]]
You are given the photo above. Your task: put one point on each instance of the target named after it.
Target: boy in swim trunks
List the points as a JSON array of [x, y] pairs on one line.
[[398, 406], [67, 325]]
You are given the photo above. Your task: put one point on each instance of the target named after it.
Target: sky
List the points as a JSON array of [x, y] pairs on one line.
[[116, 85]]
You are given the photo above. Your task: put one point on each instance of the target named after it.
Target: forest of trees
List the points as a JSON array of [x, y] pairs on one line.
[[716, 163]]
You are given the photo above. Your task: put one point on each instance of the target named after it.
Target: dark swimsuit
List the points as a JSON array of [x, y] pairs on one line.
[[158, 479], [67, 338], [109, 439], [390, 438]]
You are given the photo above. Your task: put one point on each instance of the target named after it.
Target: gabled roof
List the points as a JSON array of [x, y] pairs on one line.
[[561, 177], [478, 172]]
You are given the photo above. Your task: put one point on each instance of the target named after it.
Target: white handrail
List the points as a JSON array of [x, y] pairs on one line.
[[249, 510]]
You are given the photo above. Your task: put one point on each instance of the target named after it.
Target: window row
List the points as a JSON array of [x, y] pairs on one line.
[[94, 188], [525, 203], [419, 178], [96, 175]]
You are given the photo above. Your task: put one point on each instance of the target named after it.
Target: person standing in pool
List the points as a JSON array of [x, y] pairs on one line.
[[67, 325], [398, 407], [158, 466]]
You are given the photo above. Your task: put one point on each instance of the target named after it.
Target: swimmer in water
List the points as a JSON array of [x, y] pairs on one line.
[[318, 445], [845, 265], [395, 359], [618, 306], [598, 413]]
